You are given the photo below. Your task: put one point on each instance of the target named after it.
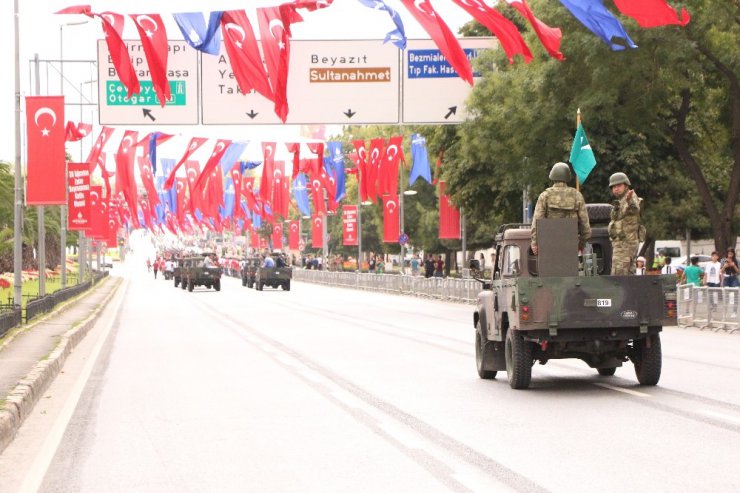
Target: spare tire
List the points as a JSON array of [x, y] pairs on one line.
[[599, 213]]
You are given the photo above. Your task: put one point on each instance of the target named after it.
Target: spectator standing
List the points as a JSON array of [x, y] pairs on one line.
[[439, 267], [429, 266], [693, 272], [640, 266], [371, 264], [156, 267], [668, 268], [713, 277], [482, 262], [415, 261], [730, 270]]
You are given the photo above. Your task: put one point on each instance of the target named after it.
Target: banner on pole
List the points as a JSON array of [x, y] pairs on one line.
[[349, 225], [78, 202], [46, 175]]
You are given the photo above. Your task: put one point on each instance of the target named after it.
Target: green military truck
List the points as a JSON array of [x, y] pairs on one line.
[[177, 272], [249, 271], [559, 305], [275, 277], [195, 272]]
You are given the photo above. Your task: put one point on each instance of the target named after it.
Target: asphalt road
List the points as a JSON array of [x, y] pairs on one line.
[[323, 389]]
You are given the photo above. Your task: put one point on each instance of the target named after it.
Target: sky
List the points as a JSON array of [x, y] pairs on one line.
[[40, 33]]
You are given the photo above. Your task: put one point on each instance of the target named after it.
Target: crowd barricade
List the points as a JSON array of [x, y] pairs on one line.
[[448, 289], [709, 308]]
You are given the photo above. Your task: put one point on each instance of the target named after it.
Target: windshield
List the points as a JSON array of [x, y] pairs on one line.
[[671, 252]]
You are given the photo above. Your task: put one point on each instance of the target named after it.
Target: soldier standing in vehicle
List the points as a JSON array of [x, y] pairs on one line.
[[561, 202], [625, 229]]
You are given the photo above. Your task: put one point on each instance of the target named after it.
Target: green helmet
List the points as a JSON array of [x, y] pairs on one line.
[[560, 172], [618, 179]]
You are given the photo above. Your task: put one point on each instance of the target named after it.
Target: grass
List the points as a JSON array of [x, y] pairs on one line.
[[31, 288]]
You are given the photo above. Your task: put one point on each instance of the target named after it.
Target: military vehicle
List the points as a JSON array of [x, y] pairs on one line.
[[177, 271], [195, 273], [278, 276], [249, 270], [560, 305]]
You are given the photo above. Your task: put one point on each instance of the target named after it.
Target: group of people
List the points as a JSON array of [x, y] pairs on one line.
[[160, 264]]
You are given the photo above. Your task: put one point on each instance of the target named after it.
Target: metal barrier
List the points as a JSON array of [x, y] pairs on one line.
[[448, 289], [709, 308], [8, 319], [47, 303]]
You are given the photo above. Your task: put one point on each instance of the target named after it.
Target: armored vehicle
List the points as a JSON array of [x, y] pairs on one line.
[[560, 305], [196, 272], [177, 272], [249, 270], [278, 276]]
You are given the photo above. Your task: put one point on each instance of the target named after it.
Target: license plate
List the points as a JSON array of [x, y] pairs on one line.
[[603, 302]]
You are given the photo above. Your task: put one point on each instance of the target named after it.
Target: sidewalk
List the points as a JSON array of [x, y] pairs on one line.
[[32, 357]]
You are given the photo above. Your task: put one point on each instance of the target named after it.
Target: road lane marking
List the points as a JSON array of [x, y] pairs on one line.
[[725, 417], [400, 434], [623, 390]]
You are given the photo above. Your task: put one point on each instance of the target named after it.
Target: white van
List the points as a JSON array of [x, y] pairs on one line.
[[669, 248]]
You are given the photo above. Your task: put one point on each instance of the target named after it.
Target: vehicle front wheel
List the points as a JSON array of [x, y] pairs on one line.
[[483, 357], [191, 286], [286, 286], [244, 281], [260, 286], [518, 360], [607, 372], [649, 360], [177, 282], [217, 284]]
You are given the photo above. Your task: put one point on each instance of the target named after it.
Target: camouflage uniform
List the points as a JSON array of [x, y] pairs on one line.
[[625, 231], [561, 202]]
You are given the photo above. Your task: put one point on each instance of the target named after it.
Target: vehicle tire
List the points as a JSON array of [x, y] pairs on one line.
[[244, 281], [183, 283], [250, 284], [177, 283], [208, 286], [483, 351], [599, 213], [649, 361], [518, 360], [286, 286], [260, 286], [191, 286], [217, 284], [607, 372]]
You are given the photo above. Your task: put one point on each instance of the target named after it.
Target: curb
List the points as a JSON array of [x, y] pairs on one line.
[[21, 400]]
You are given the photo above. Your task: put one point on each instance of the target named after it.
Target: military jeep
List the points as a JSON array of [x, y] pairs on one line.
[[278, 276], [558, 305], [177, 271], [249, 271], [195, 273]]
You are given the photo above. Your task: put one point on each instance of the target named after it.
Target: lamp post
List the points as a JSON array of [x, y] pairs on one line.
[[82, 247], [18, 179], [408, 193]]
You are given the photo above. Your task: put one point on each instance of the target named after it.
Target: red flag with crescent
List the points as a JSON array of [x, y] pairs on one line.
[[244, 54], [75, 132], [236, 177], [192, 170], [118, 51], [388, 179], [391, 219], [277, 236], [154, 41], [181, 185], [361, 164], [445, 40], [295, 149], [98, 215], [268, 164], [280, 190], [275, 37], [294, 235], [318, 149], [147, 178], [550, 37], [125, 181], [317, 231], [97, 149], [193, 146], [372, 170], [449, 217], [213, 161], [46, 179], [317, 192]]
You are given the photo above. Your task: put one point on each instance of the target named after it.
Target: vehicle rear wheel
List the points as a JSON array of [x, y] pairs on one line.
[[649, 360], [482, 356], [260, 286], [177, 282], [250, 284], [607, 372], [217, 284], [183, 283], [191, 286], [286, 286], [244, 281], [518, 361]]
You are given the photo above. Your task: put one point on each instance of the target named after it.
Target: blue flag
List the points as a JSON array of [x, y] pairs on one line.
[[231, 156], [398, 35], [245, 165], [227, 210], [256, 220], [171, 194], [201, 37], [337, 168], [153, 150], [300, 193], [581, 155], [420, 158], [601, 22]]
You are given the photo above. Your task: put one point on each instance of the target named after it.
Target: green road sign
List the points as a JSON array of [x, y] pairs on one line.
[[116, 94]]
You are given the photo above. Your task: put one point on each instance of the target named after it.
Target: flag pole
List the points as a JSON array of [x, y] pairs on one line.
[[578, 122]]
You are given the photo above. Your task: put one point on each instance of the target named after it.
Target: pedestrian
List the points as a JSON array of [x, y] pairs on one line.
[[713, 277], [371, 264], [156, 267], [482, 262], [148, 265], [415, 261], [668, 268], [640, 267], [429, 266], [730, 270], [561, 202], [659, 260], [625, 228], [439, 267], [693, 272]]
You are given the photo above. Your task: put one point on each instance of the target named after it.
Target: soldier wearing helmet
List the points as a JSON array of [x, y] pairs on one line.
[[625, 229], [561, 201]]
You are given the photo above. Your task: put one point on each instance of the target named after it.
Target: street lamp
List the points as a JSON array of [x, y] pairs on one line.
[[408, 193]]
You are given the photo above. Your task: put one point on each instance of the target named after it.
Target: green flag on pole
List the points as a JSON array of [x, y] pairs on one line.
[[581, 155]]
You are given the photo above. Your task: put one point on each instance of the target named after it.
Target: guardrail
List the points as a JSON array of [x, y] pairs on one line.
[[447, 289], [47, 303], [9, 318], [709, 308]]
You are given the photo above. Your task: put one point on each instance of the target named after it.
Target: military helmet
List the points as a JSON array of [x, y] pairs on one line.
[[618, 179], [560, 172]]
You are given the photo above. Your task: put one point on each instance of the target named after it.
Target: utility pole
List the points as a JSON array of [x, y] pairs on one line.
[[18, 183], [41, 250]]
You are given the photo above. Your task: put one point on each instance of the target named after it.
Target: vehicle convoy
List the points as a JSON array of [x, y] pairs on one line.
[[177, 271], [559, 305], [196, 272], [249, 270], [275, 277]]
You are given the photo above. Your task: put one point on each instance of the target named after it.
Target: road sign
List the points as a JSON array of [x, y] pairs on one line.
[[301, 245], [432, 91], [403, 239], [144, 109], [329, 82]]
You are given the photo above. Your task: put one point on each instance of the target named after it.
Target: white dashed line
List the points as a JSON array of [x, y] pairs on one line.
[[623, 390]]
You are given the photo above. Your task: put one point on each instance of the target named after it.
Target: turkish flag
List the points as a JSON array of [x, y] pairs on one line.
[[214, 196], [154, 41], [376, 157], [193, 146], [295, 149], [112, 238], [349, 225], [192, 169], [317, 192], [98, 221], [147, 178], [277, 236], [433, 24], [361, 163], [46, 181], [147, 212], [652, 13], [125, 181], [218, 152], [388, 179], [274, 29], [248, 192], [182, 202], [244, 54], [76, 132], [318, 149], [317, 231], [268, 151], [449, 217], [550, 37], [236, 178], [294, 236], [113, 29], [280, 195], [78, 203], [501, 27], [104, 172], [97, 149], [391, 219]]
